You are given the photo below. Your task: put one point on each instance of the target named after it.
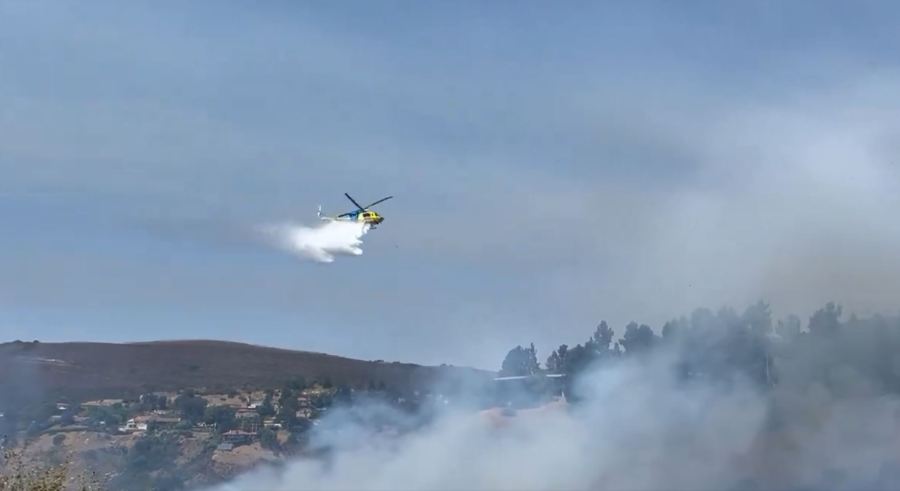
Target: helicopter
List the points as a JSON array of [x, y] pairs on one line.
[[362, 214]]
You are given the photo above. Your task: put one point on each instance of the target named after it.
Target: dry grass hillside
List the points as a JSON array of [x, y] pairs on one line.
[[115, 370]]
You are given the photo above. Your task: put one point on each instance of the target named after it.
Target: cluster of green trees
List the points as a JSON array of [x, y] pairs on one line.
[[152, 402], [150, 464], [725, 345], [191, 406], [108, 416], [195, 409]]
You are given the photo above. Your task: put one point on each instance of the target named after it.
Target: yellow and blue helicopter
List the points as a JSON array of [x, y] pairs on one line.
[[362, 214]]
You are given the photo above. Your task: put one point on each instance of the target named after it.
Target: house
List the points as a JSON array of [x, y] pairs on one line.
[[247, 420], [151, 422], [237, 437], [165, 413], [204, 428], [225, 447], [162, 423], [101, 403], [133, 425]]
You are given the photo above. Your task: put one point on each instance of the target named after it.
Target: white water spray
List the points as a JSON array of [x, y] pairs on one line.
[[321, 243]]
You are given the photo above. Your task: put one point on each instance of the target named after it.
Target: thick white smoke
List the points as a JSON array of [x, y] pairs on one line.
[[637, 428], [321, 243]]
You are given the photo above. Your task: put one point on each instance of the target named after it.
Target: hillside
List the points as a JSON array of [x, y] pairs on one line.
[[115, 370]]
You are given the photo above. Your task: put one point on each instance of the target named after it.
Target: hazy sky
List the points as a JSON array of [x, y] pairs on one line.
[[553, 163]]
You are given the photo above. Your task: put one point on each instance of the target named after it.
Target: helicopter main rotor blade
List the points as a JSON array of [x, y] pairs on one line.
[[353, 201], [379, 201]]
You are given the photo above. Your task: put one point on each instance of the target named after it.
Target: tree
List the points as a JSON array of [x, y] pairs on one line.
[[520, 361], [266, 409], [150, 464], [670, 330], [637, 338], [603, 336], [221, 416], [759, 318], [343, 395], [826, 321], [577, 359], [287, 407], [790, 328], [298, 383], [556, 362], [268, 439], [192, 408], [563, 352], [151, 453], [108, 416], [149, 402], [553, 363]]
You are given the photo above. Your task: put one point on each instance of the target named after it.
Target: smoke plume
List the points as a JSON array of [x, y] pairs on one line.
[[320, 243], [636, 425], [635, 431]]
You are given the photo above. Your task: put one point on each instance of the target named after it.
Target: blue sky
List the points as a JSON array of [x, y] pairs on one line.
[[554, 164]]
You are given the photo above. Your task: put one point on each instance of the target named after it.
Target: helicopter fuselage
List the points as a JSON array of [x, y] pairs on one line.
[[360, 215]]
